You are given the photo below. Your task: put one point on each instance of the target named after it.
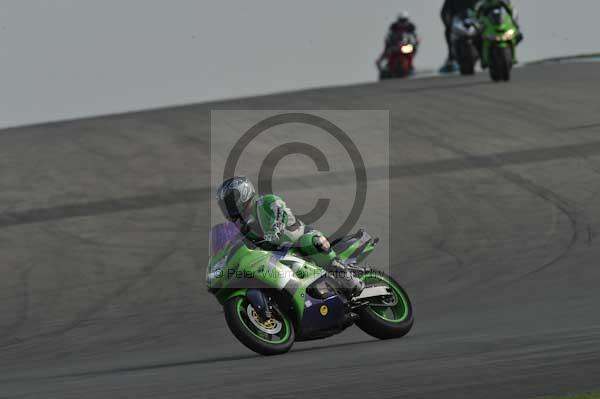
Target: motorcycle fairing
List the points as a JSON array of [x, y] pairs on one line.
[[321, 317], [355, 248]]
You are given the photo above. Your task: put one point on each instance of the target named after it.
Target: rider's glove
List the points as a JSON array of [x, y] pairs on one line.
[[321, 243]]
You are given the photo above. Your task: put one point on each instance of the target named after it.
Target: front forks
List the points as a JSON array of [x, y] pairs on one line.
[[260, 303]]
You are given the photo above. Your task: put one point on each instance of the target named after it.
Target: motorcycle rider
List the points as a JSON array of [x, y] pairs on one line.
[[268, 223], [397, 29], [484, 6], [449, 10]]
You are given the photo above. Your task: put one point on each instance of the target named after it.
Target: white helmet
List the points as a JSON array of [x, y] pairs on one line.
[[403, 16]]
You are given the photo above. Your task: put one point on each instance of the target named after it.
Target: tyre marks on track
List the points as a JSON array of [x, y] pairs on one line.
[[466, 161], [577, 219]]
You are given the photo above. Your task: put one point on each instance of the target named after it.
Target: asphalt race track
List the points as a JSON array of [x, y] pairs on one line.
[[495, 223]]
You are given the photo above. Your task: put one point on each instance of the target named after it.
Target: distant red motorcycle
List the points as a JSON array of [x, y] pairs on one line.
[[398, 62]]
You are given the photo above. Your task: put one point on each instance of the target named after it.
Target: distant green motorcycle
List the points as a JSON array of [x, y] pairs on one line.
[[499, 43], [273, 298]]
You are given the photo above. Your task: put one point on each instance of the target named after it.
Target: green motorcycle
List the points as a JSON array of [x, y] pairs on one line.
[[499, 42], [273, 298]]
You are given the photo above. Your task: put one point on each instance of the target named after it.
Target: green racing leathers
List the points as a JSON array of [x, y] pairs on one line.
[[271, 224], [484, 6]]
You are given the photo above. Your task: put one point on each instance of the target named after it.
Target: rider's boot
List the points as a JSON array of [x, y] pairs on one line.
[[351, 284]]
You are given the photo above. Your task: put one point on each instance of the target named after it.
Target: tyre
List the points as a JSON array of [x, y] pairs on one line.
[[495, 65], [508, 63], [405, 68], [466, 59], [271, 337], [467, 68], [386, 319], [494, 74], [501, 64]]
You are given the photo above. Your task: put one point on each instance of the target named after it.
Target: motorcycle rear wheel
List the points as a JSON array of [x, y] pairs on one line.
[[386, 322], [266, 337]]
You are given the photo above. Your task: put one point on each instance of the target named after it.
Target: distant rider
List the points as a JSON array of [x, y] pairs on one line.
[[396, 31], [449, 10], [268, 223], [485, 6]]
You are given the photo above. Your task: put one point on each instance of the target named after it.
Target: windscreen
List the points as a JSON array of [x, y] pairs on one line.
[[221, 235]]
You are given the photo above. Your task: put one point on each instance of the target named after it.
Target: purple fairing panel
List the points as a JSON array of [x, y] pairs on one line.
[[221, 235]]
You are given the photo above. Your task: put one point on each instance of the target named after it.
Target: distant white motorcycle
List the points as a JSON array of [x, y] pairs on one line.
[[466, 41]]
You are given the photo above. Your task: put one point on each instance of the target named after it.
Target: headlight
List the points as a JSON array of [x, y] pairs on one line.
[[508, 35], [407, 49]]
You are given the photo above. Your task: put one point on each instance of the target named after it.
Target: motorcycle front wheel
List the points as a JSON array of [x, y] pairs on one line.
[[274, 336], [387, 318], [501, 66], [467, 58]]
